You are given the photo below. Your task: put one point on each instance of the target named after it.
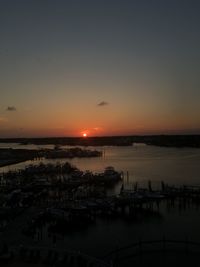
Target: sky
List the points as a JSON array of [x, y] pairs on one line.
[[100, 67]]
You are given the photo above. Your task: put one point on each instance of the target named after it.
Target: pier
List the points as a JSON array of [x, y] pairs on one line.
[[57, 199]]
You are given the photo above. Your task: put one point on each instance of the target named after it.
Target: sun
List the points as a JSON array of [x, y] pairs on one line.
[[84, 135]]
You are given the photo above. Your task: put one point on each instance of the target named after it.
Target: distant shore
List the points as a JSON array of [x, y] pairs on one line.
[[9, 156], [11, 162], [156, 140]]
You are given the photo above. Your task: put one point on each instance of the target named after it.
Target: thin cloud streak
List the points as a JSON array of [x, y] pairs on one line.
[[102, 104], [11, 108]]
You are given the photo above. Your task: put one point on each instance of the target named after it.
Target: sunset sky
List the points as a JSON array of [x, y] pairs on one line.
[[101, 67]]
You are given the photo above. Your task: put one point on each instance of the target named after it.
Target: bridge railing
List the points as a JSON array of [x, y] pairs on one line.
[[152, 246]]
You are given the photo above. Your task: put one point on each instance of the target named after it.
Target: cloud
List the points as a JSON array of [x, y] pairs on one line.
[[97, 129], [102, 104], [11, 108]]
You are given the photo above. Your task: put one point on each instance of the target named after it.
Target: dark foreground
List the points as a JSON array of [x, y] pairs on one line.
[[42, 206]]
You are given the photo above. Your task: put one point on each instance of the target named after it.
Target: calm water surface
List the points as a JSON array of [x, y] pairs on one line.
[[143, 163]]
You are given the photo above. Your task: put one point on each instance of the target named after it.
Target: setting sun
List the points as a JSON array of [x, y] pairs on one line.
[[84, 135]]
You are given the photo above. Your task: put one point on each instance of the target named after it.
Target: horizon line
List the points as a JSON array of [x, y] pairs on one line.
[[105, 136]]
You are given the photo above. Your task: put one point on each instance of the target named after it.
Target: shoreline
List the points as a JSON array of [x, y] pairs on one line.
[[14, 156], [12, 162], [178, 141]]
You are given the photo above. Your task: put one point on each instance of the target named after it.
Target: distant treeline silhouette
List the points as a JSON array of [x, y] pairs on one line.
[[156, 140]]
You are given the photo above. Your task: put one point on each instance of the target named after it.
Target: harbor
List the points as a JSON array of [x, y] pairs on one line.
[[53, 204]]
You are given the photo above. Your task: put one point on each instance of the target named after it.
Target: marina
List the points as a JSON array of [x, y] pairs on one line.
[[51, 202]]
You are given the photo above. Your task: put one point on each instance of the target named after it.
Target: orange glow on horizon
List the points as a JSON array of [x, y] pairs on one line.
[[84, 135]]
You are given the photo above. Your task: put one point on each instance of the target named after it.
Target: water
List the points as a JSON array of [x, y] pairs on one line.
[[143, 163], [172, 165]]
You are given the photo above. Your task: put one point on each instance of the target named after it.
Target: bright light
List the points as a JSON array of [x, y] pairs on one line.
[[84, 135]]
